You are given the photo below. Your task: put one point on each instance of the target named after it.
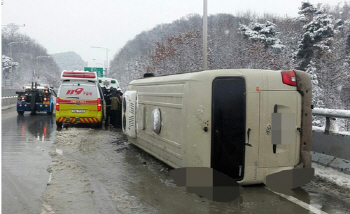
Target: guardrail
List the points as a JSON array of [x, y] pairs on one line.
[[330, 115], [7, 102], [330, 147], [9, 92], [8, 98]]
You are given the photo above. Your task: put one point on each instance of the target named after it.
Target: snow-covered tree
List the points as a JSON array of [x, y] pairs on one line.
[[317, 93], [7, 65], [318, 34], [265, 50], [265, 33], [316, 90]]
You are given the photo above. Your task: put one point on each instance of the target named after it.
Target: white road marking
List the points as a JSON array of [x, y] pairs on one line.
[[47, 209], [300, 203], [49, 178]]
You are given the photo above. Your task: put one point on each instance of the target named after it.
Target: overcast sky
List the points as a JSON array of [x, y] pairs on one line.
[[76, 25]]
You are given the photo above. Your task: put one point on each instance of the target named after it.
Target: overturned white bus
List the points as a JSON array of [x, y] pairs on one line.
[[245, 123]]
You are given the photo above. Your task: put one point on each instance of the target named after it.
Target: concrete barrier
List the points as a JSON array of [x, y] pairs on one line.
[[8, 98], [337, 145], [331, 150], [8, 102]]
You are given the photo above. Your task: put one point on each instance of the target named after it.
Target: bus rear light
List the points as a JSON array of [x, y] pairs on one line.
[[289, 78], [99, 106], [57, 104]]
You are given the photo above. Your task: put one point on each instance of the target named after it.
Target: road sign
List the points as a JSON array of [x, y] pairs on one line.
[[99, 71]]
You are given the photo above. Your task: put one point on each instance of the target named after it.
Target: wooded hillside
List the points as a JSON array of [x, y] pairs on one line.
[[317, 41], [69, 61], [22, 56]]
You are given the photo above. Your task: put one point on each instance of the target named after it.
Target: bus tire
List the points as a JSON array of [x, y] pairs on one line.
[[20, 112], [100, 124]]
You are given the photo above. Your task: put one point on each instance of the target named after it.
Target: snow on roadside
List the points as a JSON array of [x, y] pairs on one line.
[[332, 175], [321, 129]]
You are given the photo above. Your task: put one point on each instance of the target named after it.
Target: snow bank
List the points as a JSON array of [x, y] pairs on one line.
[[331, 175]]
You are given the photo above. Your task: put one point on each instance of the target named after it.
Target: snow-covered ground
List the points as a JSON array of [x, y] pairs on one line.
[[340, 179], [321, 129]]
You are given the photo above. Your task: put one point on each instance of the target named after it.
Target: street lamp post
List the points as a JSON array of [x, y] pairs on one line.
[[13, 43], [104, 62], [106, 49], [37, 65], [10, 45]]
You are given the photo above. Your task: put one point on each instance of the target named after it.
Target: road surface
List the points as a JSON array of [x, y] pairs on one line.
[[82, 169]]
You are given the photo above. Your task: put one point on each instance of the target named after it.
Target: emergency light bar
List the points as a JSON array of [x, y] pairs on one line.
[[66, 75]]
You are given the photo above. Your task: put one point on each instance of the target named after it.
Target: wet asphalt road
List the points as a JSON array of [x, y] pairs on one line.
[[89, 170], [26, 142]]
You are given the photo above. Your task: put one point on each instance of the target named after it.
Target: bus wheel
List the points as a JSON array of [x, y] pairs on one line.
[[20, 112], [100, 124]]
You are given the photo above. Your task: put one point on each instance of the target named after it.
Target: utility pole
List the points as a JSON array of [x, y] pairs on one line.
[[205, 48], [7, 75], [13, 43]]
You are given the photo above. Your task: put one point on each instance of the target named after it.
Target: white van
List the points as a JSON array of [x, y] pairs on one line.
[[245, 123]]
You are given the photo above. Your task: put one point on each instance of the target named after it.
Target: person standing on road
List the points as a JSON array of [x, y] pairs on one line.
[[107, 97], [119, 117], [115, 109]]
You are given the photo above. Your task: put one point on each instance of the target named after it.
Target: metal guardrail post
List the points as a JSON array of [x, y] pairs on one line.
[[331, 115], [331, 125], [326, 131]]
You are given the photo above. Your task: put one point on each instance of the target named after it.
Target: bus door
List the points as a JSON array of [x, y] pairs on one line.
[[228, 126], [280, 117]]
